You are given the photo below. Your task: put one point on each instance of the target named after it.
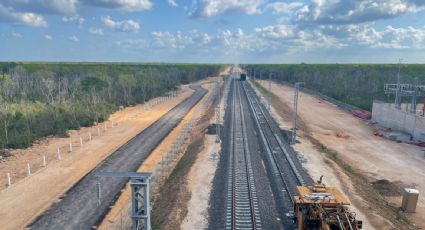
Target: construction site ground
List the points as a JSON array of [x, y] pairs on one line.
[[388, 166], [118, 216], [28, 197]]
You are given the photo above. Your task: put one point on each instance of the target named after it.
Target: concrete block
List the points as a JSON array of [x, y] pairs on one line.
[[410, 200]]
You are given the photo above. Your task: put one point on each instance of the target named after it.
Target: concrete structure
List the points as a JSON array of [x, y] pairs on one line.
[[388, 116], [410, 200]]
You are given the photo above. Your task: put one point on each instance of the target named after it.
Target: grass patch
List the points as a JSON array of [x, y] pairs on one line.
[[5, 153]]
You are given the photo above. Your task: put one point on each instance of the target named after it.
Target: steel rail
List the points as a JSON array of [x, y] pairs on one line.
[[242, 204], [275, 166], [300, 179]]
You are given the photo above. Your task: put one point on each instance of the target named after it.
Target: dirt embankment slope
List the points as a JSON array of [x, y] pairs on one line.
[[352, 140], [27, 198]]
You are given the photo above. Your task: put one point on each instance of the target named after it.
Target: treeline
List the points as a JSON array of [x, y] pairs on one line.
[[355, 84], [42, 99]]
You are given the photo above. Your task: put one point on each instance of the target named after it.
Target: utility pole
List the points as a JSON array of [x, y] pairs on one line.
[[415, 91], [397, 94], [218, 123], [270, 89], [218, 115], [295, 112]]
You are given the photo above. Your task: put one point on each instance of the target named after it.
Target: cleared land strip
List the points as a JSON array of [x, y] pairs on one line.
[[27, 199], [79, 209]]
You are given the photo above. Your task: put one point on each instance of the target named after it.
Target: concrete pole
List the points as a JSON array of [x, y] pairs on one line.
[[89, 136], [58, 153], [81, 141], [70, 147], [44, 161], [218, 124], [9, 181], [99, 192], [98, 132], [28, 170]]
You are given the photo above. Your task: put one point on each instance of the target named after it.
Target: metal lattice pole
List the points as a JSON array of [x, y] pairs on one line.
[[415, 91], [295, 112], [397, 94], [270, 90], [140, 197]]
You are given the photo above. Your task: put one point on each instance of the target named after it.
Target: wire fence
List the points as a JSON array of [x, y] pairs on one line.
[[14, 175], [169, 160]]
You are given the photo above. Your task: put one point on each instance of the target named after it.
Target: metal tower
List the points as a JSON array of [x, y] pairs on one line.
[[140, 210], [295, 112], [406, 90]]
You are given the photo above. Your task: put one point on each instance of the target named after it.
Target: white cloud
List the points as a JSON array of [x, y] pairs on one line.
[[74, 38], [62, 7], [169, 40], [283, 7], [48, 37], [96, 31], [172, 3], [209, 8], [16, 34], [354, 11], [124, 5], [277, 31], [133, 43], [123, 26], [74, 18], [7, 14]]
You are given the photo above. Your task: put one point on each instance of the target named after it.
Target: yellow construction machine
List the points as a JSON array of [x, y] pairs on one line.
[[319, 207]]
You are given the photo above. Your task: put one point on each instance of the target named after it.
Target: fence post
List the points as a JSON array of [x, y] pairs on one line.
[[89, 136], [44, 161], [81, 141], [70, 147], [98, 132], [28, 170], [9, 182], [58, 155]]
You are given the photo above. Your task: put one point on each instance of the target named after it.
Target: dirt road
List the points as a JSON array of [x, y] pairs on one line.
[[25, 200], [377, 158]]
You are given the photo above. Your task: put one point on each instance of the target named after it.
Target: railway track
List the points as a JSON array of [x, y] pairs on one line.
[[242, 211], [283, 163]]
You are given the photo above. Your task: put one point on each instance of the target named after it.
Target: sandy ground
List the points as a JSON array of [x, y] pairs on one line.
[[119, 214], [200, 183], [375, 157], [201, 176], [28, 197]]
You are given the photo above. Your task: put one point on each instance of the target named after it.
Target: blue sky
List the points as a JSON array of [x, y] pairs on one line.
[[223, 31]]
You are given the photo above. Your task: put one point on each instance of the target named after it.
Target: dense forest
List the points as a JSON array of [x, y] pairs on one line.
[[355, 84], [42, 99]]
